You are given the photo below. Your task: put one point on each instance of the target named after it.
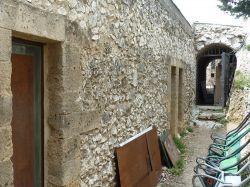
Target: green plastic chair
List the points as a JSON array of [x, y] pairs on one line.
[[222, 139], [230, 145], [216, 160], [227, 174]]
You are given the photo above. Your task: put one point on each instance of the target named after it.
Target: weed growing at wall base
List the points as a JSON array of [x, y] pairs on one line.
[[241, 81], [190, 129], [186, 131], [178, 169], [180, 145]]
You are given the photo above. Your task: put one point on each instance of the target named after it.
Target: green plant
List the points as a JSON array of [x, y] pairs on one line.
[[186, 131], [220, 110], [180, 145], [226, 108], [248, 47], [223, 121], [183, 133], [241, 80], [246, 185], [238, 8], [190, 129], [178, 169]]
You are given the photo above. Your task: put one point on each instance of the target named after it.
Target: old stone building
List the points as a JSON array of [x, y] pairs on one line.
[[77, 77]]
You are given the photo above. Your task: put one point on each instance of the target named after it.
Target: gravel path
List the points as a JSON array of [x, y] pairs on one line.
[[197, 144]]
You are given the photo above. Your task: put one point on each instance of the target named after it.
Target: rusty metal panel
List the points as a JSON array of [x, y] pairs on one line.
[[172, 150], [138, 160]]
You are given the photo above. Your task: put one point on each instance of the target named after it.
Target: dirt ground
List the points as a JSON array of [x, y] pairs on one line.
[[197, 144]]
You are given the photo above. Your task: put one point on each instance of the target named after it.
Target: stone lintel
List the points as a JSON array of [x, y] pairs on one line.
[[65, 126], [26, 19]]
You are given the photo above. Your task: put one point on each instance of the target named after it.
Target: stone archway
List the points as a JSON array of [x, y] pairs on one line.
[[209, 82], [212, 41]]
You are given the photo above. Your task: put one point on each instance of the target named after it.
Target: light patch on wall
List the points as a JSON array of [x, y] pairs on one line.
[[90, 120]]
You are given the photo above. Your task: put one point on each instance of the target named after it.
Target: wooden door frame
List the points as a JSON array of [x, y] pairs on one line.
[[41, 46]]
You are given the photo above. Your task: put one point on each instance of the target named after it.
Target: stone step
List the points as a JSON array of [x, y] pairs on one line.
[[208, 124], [210, 108], [207, 115]]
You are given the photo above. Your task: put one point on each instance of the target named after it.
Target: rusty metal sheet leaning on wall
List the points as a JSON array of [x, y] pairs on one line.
[[138, 160]]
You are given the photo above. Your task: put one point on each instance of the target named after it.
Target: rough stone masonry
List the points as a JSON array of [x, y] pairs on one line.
[[108, 76]]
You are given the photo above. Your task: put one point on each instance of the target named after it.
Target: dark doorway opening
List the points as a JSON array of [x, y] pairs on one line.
[[27, 106], [216, 66], [174, 102]]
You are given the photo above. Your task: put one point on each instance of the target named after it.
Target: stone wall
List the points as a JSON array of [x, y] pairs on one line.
[[207, 33], [229, 35], [247, 99], [6, 170], [125, 67], [243, 67], [108, 80], [243, 57], [240, 98]]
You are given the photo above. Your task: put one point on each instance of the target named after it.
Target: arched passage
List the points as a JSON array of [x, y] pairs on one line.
[[214, 79]]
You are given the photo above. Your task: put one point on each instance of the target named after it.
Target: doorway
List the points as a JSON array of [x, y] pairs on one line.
[[174, 102], [27, 106], [180, 100], [216, 65]]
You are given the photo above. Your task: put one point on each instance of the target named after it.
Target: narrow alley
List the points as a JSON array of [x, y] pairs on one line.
[[107, 93], [206, 122]]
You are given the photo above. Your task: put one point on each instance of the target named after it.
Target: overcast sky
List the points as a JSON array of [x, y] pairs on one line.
[[205, 11]]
